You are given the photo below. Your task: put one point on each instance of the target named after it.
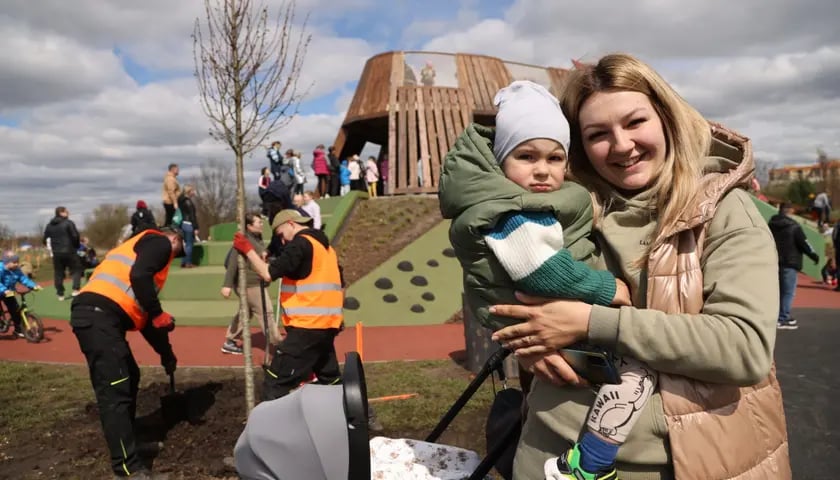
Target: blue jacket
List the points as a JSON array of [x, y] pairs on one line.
[[10, 278], [344, 173]]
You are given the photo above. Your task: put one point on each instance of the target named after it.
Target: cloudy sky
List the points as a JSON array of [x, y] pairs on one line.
[[97, 96]]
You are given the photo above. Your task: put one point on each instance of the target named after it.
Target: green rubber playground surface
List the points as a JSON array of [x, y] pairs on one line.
[[443, 282]]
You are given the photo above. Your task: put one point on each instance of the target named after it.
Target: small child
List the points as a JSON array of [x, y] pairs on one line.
[[311, 207], [507, 195], [10, 276], [344, 177]]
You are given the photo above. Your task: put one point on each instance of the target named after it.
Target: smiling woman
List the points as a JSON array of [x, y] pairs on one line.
[[674, 222]]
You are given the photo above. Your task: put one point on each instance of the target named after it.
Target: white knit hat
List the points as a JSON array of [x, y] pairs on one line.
[[527, 111]]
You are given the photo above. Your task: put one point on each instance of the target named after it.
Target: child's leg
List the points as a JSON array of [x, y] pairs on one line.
[[616, 410]]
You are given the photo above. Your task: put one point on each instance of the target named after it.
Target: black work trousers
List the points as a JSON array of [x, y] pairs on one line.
[[63, 262], [115, 376], [304, 351]]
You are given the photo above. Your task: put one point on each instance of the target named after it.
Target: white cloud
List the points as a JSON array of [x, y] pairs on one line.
[[87, 133], [48, 68]]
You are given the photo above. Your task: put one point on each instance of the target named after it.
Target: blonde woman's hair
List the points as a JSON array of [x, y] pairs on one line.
[[687, 133], [189, 189]]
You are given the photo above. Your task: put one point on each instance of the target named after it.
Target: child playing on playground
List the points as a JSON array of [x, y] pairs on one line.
[[10, 276], [518, 226]]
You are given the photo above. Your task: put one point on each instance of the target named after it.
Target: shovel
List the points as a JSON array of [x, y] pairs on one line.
[[174, 405]]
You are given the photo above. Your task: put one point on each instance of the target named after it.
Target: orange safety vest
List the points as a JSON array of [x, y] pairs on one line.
[[317, 300], [111, 278]]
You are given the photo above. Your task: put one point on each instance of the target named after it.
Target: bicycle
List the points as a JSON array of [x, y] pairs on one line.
[[33, 327]]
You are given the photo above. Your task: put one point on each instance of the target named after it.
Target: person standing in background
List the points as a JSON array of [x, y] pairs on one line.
[[189, 225], [321, 167], [64, 240], [142, 219], [383, 176], [822, 205], [275, 160], [335, 170], [791, 244], [357, 181], [171, 192]]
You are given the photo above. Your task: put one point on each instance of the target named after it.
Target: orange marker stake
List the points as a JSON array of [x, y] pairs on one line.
[[388, 398]]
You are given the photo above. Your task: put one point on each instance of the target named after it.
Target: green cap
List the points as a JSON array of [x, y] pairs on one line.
[[289, 214]]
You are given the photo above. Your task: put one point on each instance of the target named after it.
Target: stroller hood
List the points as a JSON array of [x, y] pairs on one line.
[[302, 435]]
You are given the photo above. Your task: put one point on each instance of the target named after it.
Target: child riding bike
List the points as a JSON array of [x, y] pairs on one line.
[[10, 276]]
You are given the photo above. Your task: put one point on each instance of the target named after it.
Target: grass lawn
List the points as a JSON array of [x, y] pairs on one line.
[[52, 406]]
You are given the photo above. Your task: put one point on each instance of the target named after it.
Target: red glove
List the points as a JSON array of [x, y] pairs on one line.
[[241, 244], [164, 321]]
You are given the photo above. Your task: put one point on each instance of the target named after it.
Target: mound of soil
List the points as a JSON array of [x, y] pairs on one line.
[[194, 447]]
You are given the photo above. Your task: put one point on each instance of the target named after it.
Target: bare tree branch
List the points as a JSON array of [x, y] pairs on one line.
[[247, 68]]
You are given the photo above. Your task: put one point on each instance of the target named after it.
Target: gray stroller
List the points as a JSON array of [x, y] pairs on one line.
[[320, 432]]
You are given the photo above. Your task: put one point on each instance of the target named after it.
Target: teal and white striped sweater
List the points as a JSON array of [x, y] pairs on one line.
[[529, 245]]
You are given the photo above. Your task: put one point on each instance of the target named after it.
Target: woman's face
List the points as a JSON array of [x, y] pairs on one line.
[[257, 226], [623, 138]]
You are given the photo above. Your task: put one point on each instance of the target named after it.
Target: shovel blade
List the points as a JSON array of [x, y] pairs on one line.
[[174, 408]]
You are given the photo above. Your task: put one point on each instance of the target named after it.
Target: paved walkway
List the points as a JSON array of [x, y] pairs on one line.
[[200, 346]]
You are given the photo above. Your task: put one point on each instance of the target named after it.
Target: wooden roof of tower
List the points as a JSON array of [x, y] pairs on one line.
[[416, 120]]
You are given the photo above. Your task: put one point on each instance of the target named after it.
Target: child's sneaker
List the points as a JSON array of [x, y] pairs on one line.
[[567, 467]]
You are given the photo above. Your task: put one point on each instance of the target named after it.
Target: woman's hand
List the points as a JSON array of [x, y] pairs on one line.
[[552, 368], [622, 294], [548, 324]]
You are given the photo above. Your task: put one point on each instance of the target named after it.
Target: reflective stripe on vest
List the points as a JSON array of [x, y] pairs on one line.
[[111, 279], [315, 301]]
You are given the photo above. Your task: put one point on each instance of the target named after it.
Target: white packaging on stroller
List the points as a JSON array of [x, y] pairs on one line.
[[405, 459]]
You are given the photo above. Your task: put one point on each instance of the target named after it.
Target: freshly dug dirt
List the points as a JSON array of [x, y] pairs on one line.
[[194, 447]]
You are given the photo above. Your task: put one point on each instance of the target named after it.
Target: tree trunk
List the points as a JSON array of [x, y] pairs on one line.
[[244, 313]]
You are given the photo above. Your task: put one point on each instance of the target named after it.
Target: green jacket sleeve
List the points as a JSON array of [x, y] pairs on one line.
[[732, 339], [561, 276]]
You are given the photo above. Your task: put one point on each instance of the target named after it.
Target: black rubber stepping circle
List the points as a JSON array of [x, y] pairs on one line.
[[390, 298], [448, 252], [432, 263], [417, 308], [351, 303], [405, 266], [428, 296], [419, 281], [384, 283]]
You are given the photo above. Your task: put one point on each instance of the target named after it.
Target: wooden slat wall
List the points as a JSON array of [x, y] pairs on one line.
[[425, 122], [396, 79], [481, 77], [373, 91]]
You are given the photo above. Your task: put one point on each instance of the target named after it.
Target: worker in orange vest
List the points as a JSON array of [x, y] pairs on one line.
[[122, 295], [312, 296]]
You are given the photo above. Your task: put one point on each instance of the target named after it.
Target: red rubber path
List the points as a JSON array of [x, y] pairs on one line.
[[200, 346]]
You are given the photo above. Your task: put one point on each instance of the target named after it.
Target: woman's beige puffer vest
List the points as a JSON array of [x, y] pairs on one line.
[[716, 431]]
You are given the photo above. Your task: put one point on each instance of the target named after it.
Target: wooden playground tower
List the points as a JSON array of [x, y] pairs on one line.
[[415, 104]]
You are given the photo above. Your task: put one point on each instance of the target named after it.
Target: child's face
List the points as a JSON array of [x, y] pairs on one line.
[[12, 265], [538, 165], [307, 198]]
